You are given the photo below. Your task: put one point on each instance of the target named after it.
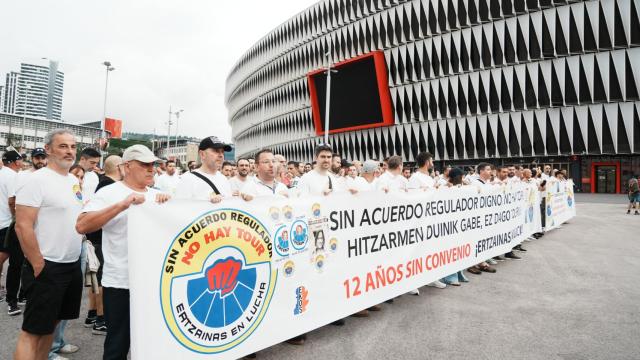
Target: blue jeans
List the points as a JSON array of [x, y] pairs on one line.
[[58, 334], [458, 276]]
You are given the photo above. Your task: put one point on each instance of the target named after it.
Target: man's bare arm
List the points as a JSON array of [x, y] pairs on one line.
[[25, 219]]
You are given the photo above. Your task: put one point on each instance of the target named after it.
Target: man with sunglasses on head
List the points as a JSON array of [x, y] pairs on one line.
[[207, 182]]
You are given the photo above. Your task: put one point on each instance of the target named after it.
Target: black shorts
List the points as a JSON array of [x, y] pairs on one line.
[[54, 295], [3, 234], [100, 256]]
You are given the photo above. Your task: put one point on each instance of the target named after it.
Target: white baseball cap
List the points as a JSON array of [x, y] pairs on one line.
[[140, 153]]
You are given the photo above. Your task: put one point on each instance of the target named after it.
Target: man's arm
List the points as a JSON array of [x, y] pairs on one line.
[[25, 219], [12, 206], [95, 220]]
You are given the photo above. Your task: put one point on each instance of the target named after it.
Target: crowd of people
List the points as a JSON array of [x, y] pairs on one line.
[[59, 218]]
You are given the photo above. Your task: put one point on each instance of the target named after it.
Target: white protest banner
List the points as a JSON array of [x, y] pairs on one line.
[[226, 280], [559, 203]]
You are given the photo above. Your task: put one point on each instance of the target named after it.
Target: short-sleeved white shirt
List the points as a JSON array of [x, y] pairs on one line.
[[256, 188], [420, 180], [168, 183], [89, 185], [59, 200], [236, 184], [313, 183], [114, 232], [392, 182], [7, 182], [21, 179], [192, 187], [361, 184]]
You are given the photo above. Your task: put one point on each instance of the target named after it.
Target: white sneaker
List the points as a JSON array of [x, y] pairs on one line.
[[68, 349], [58, 357], [437, 284], [491, 262], [415, 292]]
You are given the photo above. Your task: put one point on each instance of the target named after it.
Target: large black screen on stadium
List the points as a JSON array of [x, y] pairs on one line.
[[355, 96]]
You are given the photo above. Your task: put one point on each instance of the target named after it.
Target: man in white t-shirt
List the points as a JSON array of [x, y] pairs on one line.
[[367, 180], [168, 182], [293, 168], [89, 159], [392, 179], [264, 183], [421, 179], [443, 180], [47, 207], [320, 180], [107, 210], [238, 181], [207, 182], [12, 163]]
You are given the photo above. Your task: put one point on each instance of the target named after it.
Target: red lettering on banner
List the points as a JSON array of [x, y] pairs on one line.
[[254, 241], [188, 255]]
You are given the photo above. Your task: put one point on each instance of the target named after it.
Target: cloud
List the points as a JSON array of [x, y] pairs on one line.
[[165, 53]]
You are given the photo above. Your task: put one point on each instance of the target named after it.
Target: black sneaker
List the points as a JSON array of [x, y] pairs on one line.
[[340, 322], [520, 248], [499, 258], [99, 328], [90, 321], [13, 309], [512, 256], [22, 302]]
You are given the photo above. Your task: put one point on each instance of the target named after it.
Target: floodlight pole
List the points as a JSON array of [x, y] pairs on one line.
[[327, 107]]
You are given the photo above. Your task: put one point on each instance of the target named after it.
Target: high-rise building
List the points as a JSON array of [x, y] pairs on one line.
[[9, 97], [1, 98], [39, 91]]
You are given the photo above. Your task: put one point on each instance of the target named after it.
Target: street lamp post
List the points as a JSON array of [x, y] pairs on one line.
[[168, 133], [177, 114], [108, 68]]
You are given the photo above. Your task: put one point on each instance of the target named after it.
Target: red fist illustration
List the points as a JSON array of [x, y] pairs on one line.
[[223, 275]]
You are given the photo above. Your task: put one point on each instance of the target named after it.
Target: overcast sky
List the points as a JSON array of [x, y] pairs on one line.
[[165, 53]]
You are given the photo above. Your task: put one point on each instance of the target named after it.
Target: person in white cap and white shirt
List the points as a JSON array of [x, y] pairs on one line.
[[107, 210], [47, 206], [265, 182], [207, 182], [367, 180]]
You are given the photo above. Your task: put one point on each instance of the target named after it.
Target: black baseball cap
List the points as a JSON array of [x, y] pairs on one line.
[[11, 156], [456, 172], [38, 152], [212, 142]]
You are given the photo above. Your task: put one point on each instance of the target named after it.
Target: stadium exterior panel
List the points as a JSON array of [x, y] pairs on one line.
[[511, 81]]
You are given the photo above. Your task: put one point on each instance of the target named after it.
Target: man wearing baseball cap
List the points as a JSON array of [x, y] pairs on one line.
[[207, 182], [107, 210]]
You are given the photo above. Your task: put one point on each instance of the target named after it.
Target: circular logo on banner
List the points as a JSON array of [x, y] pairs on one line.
[[217, 281], [282, 241], [299, 234]]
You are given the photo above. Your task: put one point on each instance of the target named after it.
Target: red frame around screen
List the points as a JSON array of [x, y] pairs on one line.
[[383, 92]]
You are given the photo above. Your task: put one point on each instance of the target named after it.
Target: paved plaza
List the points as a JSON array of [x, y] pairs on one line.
[[574, 296]]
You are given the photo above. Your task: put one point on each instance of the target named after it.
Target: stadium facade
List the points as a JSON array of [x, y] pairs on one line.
[[508, 81]]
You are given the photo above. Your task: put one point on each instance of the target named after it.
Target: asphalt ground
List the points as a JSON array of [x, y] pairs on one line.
[[573, 296]]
